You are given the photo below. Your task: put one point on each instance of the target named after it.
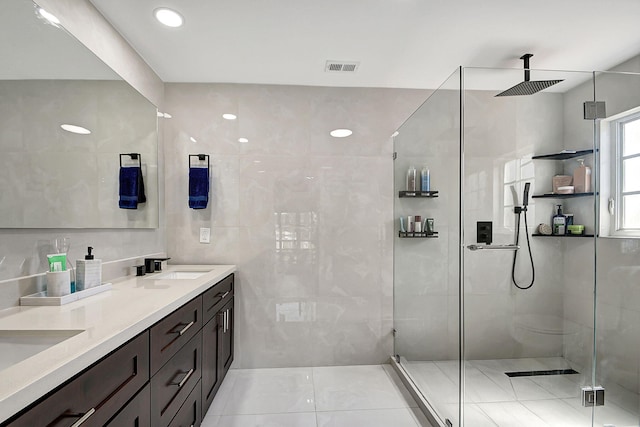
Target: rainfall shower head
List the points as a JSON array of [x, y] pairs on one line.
[[528, 87]]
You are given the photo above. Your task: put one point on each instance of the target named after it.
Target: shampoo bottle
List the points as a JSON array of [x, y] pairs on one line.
[[88, 272], [425, 179], [582, 178], [412, 179], [559, 222]]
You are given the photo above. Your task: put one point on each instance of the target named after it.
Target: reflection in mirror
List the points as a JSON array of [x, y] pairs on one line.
[[65, 117]]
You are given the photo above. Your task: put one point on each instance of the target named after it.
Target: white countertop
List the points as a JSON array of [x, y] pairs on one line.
[[108, 320]]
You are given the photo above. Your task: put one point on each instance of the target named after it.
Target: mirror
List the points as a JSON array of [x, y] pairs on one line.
[[53, 178]]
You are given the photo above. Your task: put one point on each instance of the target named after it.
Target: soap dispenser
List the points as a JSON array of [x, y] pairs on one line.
[[559, 222], [88, 272]]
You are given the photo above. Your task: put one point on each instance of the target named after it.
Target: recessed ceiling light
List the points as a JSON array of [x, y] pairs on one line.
[[243, 140], [160, 114], [396, 133], [168, 17], [167, 115], [49, 16], [192, 139], [229, 116], [340, 133], [75, 129]]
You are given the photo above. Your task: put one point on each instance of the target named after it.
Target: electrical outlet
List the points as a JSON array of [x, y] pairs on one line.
[[205, 235]]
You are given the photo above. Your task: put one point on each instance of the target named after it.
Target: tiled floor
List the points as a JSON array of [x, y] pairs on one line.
[[494, 400], [343, 396]]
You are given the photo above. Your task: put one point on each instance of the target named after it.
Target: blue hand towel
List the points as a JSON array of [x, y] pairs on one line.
[[131, 187], [198, 188]]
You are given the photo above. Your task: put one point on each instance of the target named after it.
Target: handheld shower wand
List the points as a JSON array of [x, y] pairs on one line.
[[518, 210]]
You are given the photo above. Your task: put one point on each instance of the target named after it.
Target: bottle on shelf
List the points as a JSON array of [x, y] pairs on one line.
[[559, 222], [412, 179], [582, 178], [425, 179]]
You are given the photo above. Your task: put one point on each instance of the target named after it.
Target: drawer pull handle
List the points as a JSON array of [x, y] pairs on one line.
[[183, 330], [223, 296], [184, 380], [84, 418]]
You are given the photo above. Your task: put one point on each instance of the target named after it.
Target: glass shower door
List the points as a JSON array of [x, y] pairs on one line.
[[618, 250], [527, 317], [426, 297]]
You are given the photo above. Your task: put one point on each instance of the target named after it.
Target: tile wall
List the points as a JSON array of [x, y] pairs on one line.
[[306, 217]]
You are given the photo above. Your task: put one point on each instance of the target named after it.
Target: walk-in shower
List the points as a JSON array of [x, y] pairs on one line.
[[480, 351]]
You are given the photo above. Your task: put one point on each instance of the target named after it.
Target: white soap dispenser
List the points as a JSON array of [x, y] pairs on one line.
[[88, 272]]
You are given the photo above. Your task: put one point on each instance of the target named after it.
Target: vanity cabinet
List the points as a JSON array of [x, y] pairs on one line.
[[165, 377], [217, 338], [98, 393]]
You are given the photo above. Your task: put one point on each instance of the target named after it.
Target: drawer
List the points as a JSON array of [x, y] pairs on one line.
[[191, 412], [174, 382], [216, 297], [171, 333], [137, 413], [98, 393]]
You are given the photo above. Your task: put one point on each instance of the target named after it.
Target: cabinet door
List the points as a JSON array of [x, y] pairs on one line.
[[97, 394], [137, 413], [211, 343], [226, 348], [174, 381]]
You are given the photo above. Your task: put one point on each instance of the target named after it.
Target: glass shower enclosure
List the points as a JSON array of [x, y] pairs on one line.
[[500, 318]]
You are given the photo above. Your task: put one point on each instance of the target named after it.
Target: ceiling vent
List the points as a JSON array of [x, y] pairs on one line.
[[341, 67]]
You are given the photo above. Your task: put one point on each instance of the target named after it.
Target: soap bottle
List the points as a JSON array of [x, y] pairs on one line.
[[88, 272], [412, 179], [425, 179], [559, 222], [582, 178]]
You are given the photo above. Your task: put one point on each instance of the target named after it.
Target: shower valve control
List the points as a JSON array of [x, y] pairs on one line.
[[484, 232]]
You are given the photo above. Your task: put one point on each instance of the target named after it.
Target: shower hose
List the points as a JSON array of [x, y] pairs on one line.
[[515, 253]]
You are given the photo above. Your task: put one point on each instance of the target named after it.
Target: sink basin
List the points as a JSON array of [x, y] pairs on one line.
[[17, 345], [179, 275]]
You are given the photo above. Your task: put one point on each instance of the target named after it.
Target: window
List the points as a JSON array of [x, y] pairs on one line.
[[621, 175], [628, 174]]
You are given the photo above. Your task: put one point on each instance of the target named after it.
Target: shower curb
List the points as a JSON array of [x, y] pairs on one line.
[[424, 406]]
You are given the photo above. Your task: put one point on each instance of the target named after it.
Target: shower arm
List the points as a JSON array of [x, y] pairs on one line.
[[527, 70], [510, 247]]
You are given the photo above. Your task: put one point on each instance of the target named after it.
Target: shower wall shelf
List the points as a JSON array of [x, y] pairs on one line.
[[561, 235], [416, 194], [417, 235], [564, 155], [561, 196]]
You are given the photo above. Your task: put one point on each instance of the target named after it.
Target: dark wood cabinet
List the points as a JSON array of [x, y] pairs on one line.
[[98, 393], [225, 357], [166, 376], [217, 339]]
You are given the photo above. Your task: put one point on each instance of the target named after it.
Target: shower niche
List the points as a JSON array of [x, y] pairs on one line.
[[477, 349]]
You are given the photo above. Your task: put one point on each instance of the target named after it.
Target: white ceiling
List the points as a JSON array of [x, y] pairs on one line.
[[399, 43]]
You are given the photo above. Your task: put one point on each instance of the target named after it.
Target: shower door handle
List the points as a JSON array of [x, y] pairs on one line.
[[493, 247]]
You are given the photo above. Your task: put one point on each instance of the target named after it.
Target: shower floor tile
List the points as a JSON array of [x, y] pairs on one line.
[[494, 399]]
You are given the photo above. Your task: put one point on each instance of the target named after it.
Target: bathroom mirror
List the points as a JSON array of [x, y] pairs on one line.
[[51, 177]]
